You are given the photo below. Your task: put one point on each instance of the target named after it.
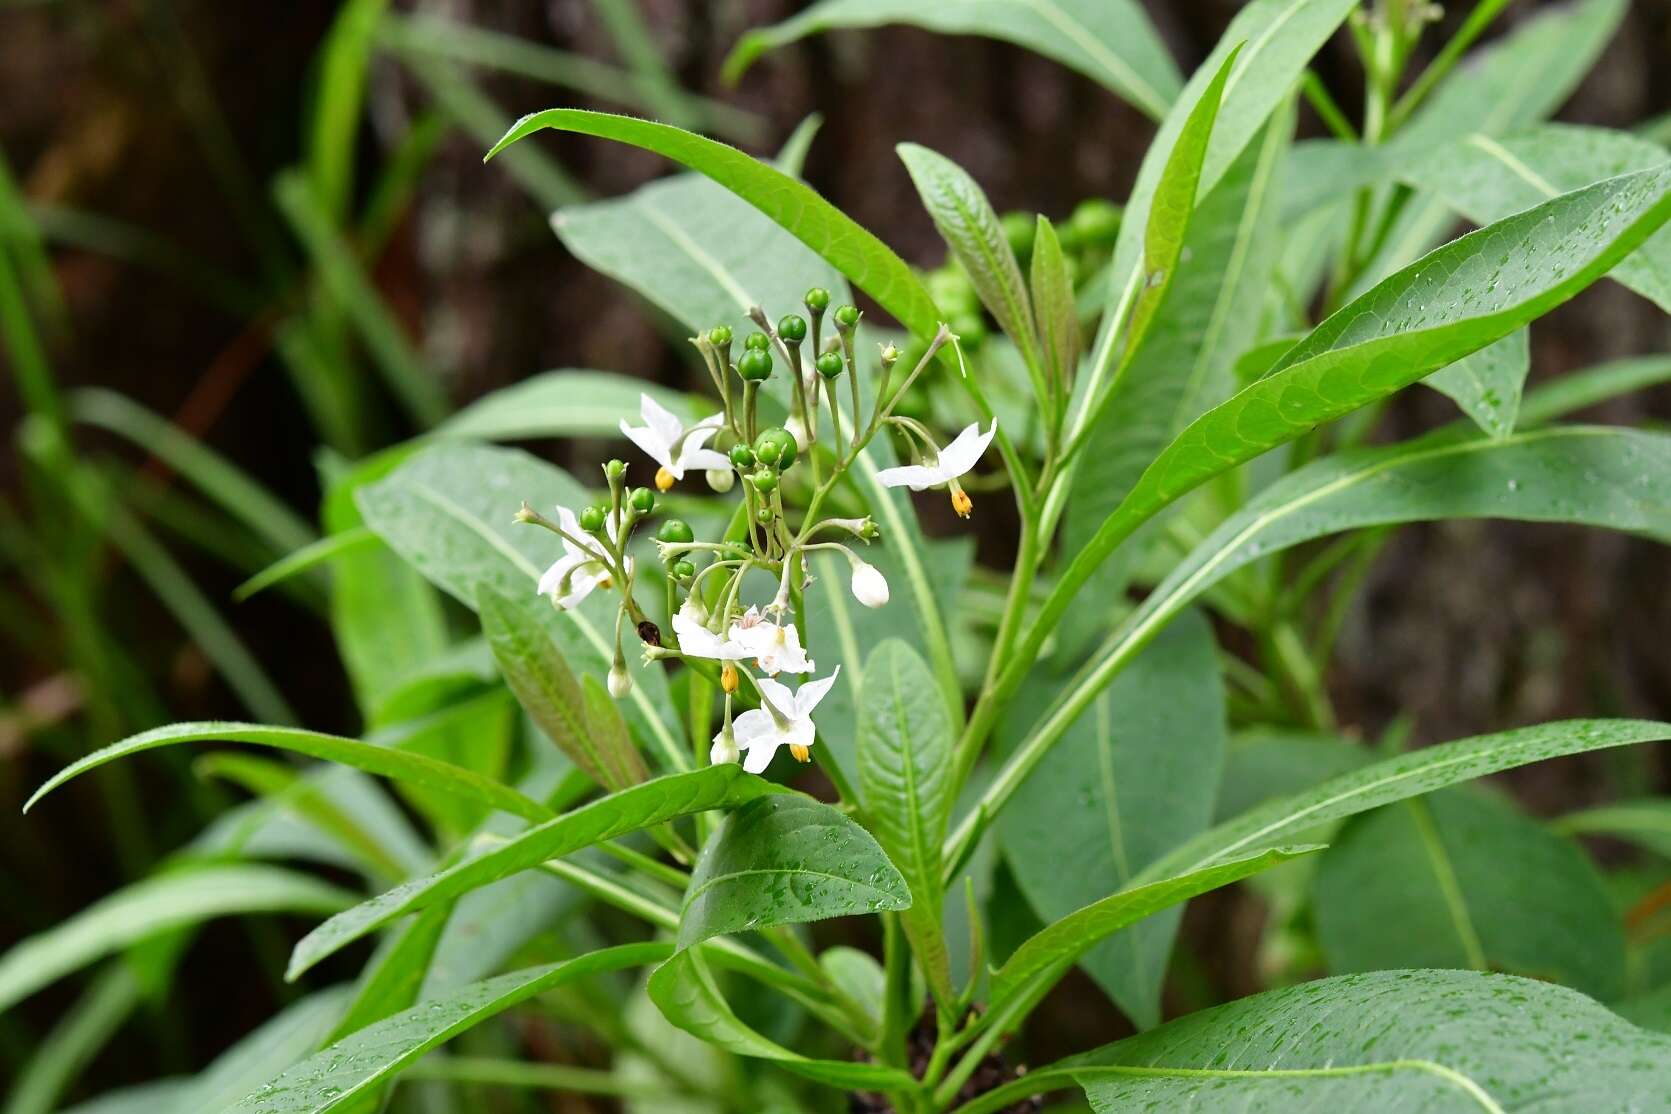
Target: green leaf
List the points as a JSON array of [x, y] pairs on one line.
[[277, 1043], [1267, 762], [448, 511], [786, 859], [1486, 179], [358, 1063], [383, 760], [683, 989], [629, 810], [1134, 777], [1487, 383], [905, 757], [1397, 779], [154, 905], [1577, 390], [1053, 302], [565, 403], [536, 672], [1455, 301], [969, 225], [1645, 822], [63, 1052], [1461, 879], [1043, 957], [1111, 42]]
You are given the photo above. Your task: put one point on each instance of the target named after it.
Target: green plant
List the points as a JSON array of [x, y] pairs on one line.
[[585, 747]]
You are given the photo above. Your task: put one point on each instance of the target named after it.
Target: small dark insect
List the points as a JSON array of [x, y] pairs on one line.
[[649, 633]]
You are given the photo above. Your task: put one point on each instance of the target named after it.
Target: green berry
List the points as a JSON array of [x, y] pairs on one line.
[[757, 342], [592, 519], [615, 469], [829, 365], [1095, 223], [755, 364], [776, 446], [847, 316], [684, 570], [792, 328], [719, 336], [674, 531], [742, 457], [643, 500], [763, 516], [817, 300], [765, 480]]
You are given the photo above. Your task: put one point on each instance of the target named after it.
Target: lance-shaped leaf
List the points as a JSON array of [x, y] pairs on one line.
[[786, 859], [1462, 879], [1053, 302], [969, 225], [905, 754], [1111, 42], [1577, 390], [1394, 1040], [383, 758], [182, 897], [1042, 958], [685, 992], [360, 1062], [1487, 383], [1645, 822], [536, 672], [1452, 302], [642, 806], [565, 403]]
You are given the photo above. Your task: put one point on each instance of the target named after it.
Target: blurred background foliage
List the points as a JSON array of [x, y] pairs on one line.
[[246, 244]]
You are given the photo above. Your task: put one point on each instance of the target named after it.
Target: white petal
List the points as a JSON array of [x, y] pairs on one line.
[[966, 450], [587, 576], [914, 476], [760, 755], [714, 420], [553, 577], [703, 460], [811, 693], [778, 696], [695, 640], [662, 422], [753, 726], [655, 447]]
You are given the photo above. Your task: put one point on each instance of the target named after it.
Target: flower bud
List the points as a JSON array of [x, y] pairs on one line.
[[719, 336], [830, 365], [870, 587], [720, 479], [615, 469], [724, 749], [620, 682], [847, 317], [684, 570]]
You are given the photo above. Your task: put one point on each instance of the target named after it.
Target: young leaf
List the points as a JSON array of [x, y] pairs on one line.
[[536, 672], [566, 403], [786, 859], [357, 1063], [1111, 42], [1487, 383], [1053, 303], [1134, 778], [1043, 957], [969, 225], [1462, 879], [385, 760], [1645, 822], [642, 806], [905, 755], [182, 897], [684, 990], [1393, 1040]]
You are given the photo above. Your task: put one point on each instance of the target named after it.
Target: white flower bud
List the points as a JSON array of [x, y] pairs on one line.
[[870, 587], [620, 683], [724, 749], [721, 479]]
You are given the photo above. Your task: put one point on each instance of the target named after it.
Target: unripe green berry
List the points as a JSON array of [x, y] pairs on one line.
[[817, 299], [830, 365], [592, 519], [757, 342], [719, 336], [615, 469], [765, 480], [1095, 223], [674, 531], [777, 447], [847, 316], [684, 570], [742, 457], [792, 328], [643, 500], [763, 516], [755, 365]]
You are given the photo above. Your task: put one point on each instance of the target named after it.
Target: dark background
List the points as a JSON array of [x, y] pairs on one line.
[[1464, 627]]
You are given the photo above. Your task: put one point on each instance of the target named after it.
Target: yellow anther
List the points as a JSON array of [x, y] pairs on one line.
[[961, 503], [607, 582], [801, 753], [664, 479], [728, 678]]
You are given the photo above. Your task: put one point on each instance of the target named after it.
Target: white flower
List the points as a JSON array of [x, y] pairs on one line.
[[580, 569], [787, 720], [724, 749], [721, 479], [697, 641], [620, 681], [870, 587], [671, 445], [955, 459], [775, 648]]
